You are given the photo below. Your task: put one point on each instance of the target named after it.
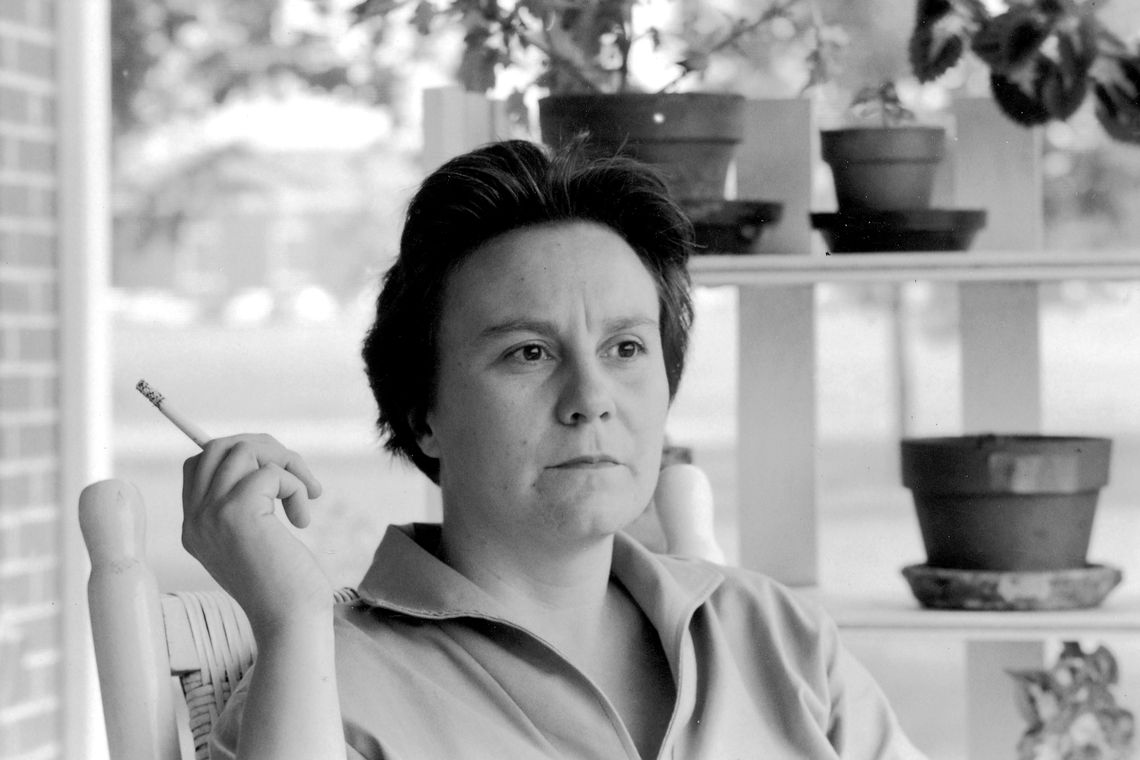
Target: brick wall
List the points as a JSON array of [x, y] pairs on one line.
[[31, 628]]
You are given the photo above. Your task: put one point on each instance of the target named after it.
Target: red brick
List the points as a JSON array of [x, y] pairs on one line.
[[37, 732], [16, 590], [45, 484], [33, 249], [42, 680], [36, 586], [13, 105], [43, 111], [9, 344], [14, 10], [37, 538], [34, 156], [35, 441], [44, 631], [7, 53], [41, 13], [9, 442], [45, 392], [29, 539], [15, 200], [37, 344], [16, 393], [15, 298], [35, 58], [15, 491], [44, 203]]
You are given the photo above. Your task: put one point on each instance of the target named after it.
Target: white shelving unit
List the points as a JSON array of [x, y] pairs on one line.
[[992, 164], [967, 266]]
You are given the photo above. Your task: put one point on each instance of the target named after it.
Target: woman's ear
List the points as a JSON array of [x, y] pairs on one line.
[[425, 437]]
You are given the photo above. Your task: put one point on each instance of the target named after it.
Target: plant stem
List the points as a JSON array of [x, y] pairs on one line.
[[738, 31]]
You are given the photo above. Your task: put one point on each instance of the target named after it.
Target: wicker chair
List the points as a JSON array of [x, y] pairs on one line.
[[168, 662]]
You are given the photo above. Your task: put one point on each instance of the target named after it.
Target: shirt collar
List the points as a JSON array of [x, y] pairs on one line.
[[406, 576]]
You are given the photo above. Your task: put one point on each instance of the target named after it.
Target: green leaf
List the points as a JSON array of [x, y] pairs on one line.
[[370, 8], [1025, 108], [423, 16], [942, 32], [477, 68], [1062, 90], [1010, 40], [1117, 90], [1027, 686]]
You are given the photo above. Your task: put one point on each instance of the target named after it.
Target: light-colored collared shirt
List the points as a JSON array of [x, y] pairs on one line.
[[429, 668]]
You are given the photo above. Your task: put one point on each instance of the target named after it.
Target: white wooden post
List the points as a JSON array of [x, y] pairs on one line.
[[776, 398], [992, 717], [455, 121], [997, 167], [83, 182]]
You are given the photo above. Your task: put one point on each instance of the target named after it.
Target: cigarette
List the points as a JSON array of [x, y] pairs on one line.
[[195, 433]]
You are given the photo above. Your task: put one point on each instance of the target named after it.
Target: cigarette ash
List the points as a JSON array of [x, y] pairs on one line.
[[151, 394]]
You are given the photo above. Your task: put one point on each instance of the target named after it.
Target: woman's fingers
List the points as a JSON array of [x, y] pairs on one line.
[[229, 525], [272, 481], [211, 477]]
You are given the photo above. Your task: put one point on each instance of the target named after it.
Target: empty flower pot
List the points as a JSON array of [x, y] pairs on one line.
[[1005, 502], [883, 168]]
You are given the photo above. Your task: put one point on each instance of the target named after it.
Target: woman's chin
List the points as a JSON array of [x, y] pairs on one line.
[[595, 514]]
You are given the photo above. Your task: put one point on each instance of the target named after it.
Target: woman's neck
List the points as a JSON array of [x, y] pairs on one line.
[[554, 592]]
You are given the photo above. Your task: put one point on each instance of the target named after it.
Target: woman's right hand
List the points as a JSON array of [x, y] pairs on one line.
[[230, 524]]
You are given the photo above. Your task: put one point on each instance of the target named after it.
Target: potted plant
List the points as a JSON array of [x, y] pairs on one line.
[[1071, 710], [1044, 57], [1006, 520], [884, 166], [585, 52], [884, 160]]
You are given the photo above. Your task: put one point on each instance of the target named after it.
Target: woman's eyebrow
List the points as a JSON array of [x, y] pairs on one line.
[[548, 328], [517, 325]]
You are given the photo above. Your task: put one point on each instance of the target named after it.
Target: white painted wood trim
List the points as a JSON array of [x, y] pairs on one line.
[[1001, 357], [995, 723], [997, 167], [887, 613], [971, 266], [776, 429], [455, 121], [83, 59], [776, 394]]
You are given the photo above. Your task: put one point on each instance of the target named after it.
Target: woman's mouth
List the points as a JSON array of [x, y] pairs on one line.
[[592, 461]]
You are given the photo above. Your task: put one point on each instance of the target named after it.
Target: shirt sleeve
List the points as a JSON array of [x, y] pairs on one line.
[[863, 726], [223, 739]]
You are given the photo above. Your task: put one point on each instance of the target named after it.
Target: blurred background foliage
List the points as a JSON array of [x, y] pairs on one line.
[[178, 65]]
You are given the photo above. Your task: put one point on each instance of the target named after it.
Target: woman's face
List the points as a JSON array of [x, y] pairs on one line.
[[552, 395]]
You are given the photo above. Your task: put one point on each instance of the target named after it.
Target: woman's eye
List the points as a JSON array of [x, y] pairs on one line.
[[530, 353], [628, 349]]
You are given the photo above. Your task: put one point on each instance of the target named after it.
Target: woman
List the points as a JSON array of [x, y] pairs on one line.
[[527, 345]]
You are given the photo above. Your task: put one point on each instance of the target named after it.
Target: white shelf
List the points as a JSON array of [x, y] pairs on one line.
[[901, 614], [976, 266]]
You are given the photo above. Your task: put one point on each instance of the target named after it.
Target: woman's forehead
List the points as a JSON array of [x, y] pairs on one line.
[[537, 269]]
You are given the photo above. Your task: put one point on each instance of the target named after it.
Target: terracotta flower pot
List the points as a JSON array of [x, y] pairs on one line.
[[691, 137], [883, 168], [1005, 502]]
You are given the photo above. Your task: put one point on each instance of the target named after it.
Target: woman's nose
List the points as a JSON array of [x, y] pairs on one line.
[[585, 394]]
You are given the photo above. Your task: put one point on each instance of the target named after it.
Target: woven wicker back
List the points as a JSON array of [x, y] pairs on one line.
[[143, 638], [211, 646]]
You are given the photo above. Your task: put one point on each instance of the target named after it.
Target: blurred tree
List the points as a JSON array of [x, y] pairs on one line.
[[179, 66], [182, 57]]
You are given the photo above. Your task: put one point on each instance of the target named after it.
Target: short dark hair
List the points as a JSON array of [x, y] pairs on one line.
[[488, 192]]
